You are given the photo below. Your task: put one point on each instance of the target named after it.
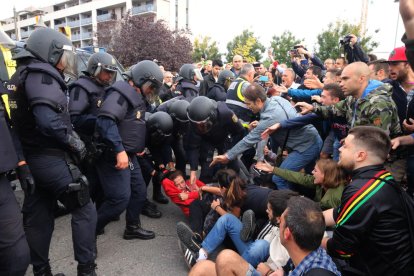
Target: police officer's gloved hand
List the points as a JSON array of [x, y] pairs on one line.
[[77, 146], [26, 179]]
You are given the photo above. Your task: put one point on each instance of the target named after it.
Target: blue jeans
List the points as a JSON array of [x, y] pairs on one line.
[[253, 252], [336, 146], [297, 161]]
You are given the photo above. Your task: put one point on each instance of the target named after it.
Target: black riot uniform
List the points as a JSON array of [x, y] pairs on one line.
[[121, 125], [39, 110], [217, 131], [218, 91], [14, 250], [86, 96], [187, 81]]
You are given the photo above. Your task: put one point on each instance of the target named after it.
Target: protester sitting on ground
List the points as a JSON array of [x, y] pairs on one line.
[[255, 252], [327, 178], [301, 230], [182, 193], [205, 211]]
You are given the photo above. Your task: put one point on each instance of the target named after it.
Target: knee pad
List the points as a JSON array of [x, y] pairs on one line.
[[76, 194]]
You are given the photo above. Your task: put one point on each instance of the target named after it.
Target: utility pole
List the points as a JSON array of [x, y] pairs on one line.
[[364, 15]]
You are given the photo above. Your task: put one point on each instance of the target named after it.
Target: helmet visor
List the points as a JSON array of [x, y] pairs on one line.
[[69, 62], [198, 74], [202, 127], [107, 74]]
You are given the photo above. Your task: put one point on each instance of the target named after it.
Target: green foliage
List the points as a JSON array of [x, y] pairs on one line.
[[204, 45], [282, 44], [328, 41], [246, 45]]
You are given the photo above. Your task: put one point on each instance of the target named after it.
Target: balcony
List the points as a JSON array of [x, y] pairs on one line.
[[103, 17], [143, 9], [75, 23], [86, 21], [86, 35], [75, 37], [25, 34]]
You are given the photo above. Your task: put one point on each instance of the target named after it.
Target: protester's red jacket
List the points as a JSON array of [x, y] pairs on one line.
[[172, 192]]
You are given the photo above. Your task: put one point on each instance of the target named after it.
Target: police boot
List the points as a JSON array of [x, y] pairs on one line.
[[156, 189], [44, 271], [135, 231], [87, 269], [150, 210]]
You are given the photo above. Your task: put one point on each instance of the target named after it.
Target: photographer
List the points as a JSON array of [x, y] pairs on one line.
[[353, 50], [300, 57]]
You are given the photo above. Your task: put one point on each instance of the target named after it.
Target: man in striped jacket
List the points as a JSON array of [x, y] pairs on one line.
[[372, 223]]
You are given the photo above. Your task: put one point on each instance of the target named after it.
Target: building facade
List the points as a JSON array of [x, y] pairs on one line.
[[83, 16]]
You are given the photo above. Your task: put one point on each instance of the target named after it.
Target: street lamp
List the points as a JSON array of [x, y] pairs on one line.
[[17, 13]]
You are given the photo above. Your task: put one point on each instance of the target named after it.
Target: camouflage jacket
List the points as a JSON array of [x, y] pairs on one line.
[[377, 109]]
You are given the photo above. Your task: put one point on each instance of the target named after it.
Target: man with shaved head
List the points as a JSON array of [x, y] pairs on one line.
[[367, 102], [237, 65]]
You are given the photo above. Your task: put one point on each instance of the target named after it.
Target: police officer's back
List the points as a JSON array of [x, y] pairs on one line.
[[218, 91], [188, 77]]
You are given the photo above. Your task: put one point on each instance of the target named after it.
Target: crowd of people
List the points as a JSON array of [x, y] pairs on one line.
[[303, 168]]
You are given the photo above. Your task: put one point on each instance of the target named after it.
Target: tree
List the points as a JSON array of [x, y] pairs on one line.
[[282, 44], [328, 45], [246, 45], [140, 38], [204, 45]]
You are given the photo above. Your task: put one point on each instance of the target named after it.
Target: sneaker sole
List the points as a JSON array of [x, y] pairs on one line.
[[189, 258], [185, 234], [248, 221]]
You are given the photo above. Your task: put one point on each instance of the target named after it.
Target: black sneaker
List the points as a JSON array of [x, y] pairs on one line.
[[190, 257], [249, 225], [186, 235]]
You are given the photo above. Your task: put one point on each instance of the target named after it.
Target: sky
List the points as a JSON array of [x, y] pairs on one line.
[[222, 20]]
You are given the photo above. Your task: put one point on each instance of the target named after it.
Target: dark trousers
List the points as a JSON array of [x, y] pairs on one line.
[[14, 250], [123, 189], [179, 153], [198, 212], [52, 177]]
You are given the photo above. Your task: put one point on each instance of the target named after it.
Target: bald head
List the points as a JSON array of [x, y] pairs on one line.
[[354, 79], [237, 62], [359, 68]]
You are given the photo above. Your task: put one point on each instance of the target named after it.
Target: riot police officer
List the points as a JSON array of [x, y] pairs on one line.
[[85, 98], [159, 130], [218, 91], [212, 126], [188, 77], [121, 125], [14, 250], [41, 118], [177, 109]]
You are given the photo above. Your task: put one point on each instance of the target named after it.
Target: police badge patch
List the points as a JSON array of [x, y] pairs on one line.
[[234, 118], [99, 103], [138, 114]]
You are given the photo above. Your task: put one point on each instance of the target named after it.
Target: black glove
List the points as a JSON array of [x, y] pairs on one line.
[[77, 146], [26, 179]]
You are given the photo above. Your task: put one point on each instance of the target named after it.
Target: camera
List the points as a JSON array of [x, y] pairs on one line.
[[345, 40], [294, 52]]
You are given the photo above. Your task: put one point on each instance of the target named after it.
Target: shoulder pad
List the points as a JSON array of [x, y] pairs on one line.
[[43, 89], [115, 106], [78, 100], [127, 91], [47, 69], [88, 85], [224, 113]]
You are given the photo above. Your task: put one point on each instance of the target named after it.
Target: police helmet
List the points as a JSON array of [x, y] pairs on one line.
[[178, 110], [202, 113], [160, 126], [188, 71], [225, 75], [147, 72], [51, 46], [99, 62]]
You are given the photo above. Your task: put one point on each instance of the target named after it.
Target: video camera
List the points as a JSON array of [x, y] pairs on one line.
[[345, 40]]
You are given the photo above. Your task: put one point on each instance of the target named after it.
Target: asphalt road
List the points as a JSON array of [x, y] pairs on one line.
[[116, 256]]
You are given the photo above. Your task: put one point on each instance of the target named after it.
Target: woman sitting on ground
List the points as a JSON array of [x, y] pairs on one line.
[[328, 179]]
